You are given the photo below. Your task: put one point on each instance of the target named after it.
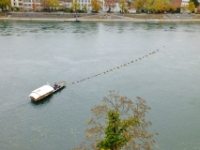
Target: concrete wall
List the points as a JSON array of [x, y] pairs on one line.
[[45, 15]]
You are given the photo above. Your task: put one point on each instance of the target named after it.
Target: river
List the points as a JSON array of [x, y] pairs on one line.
[[34, 53]]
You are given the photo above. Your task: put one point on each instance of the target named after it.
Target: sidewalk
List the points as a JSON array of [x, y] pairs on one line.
[[105, 17]]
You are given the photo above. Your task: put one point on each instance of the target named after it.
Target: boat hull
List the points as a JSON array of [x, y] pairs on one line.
[[45, 91], [41, 97]]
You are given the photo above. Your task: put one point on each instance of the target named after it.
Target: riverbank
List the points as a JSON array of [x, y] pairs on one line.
[[115, 17]]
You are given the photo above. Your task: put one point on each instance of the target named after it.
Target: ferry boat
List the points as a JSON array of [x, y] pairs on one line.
[[46, 90]]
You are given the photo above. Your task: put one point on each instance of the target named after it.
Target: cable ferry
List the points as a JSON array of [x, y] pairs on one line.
[[46, 90]]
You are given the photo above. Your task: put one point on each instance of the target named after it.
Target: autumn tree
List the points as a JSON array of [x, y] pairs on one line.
[[4, 4], [153, 5], [119, 123], [45, 4], [140, 4], [75, 5], [159, 5], [196, 3], [85, 8], [50, 4], [54, 4], [191, 7], [109, 4], [184, 8], [123, 5], [96, 5]]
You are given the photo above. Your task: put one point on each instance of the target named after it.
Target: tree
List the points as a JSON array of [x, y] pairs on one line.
[[191, 7], [96, 5], [123, 5], [54, 4], [159, 5], [75, 5], [140, 4], [119, 123], [110, 4], [196, 3], [4, 4], [45, 4], [184, 8], [50, 4], [85, 8]]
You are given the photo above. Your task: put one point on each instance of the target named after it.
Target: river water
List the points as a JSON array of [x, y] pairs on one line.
[[34, 53]]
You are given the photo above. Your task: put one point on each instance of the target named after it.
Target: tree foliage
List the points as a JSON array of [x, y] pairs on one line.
[[196, 3], [140, 4], [161, 5], [4, 4], [50, 4], [123, 5], [191, 7], [75, 5], [153, 5], [85, 8], [45, 4], [109, 4], [54, 4], [96, 5], [119, 123], [184, 8]]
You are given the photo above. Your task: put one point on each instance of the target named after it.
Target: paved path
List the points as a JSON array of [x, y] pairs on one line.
[[115, 17]]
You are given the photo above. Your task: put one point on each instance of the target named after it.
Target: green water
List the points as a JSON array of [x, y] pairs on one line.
[[32, 54]]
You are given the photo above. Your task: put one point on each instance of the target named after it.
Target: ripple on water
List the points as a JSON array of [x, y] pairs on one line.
[[40, 52]]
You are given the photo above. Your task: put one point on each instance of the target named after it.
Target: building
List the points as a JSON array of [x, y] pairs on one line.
[[17, 3], [34, 5], [65, 3], [186, 2], [176, 3], [86, 3], [27, 4]]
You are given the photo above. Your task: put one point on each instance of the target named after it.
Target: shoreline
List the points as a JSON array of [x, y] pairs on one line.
[[56, 17], [97, 20]]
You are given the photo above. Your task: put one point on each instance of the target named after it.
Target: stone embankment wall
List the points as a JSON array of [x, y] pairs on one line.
[[107, 17], [45, 15], [143, 16]]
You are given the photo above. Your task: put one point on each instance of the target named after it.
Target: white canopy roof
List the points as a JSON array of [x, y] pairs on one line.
[[41, 91]]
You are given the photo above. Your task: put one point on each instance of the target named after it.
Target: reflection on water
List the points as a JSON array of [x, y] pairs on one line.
[[9, 28], [18, 28]]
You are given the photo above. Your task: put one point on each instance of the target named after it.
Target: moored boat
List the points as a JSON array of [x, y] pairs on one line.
[[46, 90]]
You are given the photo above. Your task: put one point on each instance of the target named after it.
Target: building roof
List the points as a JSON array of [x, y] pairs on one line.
[[41, 91]]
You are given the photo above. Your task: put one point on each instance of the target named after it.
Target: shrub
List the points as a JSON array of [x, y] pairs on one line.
[[94, 11]]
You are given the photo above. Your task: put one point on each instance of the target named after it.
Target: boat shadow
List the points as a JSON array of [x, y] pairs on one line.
[[47, 99]]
